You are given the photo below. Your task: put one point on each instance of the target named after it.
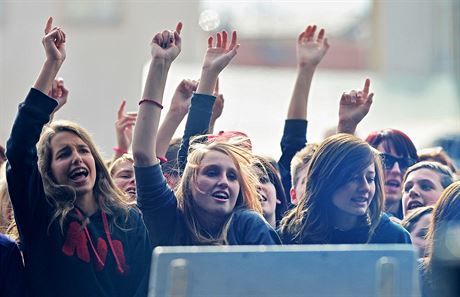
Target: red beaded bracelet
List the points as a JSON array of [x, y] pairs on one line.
[[162, 159], [151, 101], [119, 150]]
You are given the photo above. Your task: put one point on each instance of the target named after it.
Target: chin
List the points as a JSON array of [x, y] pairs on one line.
[[392, 198]]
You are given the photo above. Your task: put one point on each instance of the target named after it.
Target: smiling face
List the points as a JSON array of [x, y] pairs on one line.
[[353, 198], [421, 188], [267, 194], [123, 177], [72, 163], [216, 187]]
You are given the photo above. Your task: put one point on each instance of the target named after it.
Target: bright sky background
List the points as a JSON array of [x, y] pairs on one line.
[[275, 18]]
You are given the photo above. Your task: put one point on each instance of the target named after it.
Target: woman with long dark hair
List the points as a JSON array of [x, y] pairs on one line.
[[343, 198]]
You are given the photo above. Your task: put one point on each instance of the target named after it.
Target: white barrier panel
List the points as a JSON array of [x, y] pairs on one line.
[[285, 271]]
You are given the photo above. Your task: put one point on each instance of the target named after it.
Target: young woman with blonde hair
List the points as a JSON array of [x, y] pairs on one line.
[[217, 197], [79, 235]]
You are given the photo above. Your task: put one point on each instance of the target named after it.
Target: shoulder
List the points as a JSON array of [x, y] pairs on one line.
[[390, 232], [9, 250], [246, 216], [250, 227], [6, 242]]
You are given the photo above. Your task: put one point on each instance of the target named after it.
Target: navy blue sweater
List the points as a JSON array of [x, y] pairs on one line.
[[62, 262], [166, 222], [11, 269], [386, 232]]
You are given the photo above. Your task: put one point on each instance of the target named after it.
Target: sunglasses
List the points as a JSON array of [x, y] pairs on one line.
[[389, 161]]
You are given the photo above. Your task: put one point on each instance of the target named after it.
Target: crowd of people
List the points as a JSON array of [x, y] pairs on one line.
[[79, 225]]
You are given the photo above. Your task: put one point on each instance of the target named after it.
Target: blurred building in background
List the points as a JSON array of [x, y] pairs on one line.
[[410, 50]]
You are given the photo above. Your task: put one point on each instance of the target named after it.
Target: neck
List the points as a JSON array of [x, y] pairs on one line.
[[87, 203], [393, 207], [211, 223], [271, 220], [344, 221]]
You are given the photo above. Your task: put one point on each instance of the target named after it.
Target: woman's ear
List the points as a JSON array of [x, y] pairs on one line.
[[293, 196]]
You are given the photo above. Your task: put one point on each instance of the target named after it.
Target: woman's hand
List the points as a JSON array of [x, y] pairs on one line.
[[354, 106], [54, 42], [59, 93], [166, 45], [310, 51]]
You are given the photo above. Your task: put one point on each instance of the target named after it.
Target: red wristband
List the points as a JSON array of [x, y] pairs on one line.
[[151, 101], [162, 159], [119, 150]]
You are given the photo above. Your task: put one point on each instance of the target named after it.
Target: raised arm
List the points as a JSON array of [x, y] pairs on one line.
[[179, 107], [310, 51], [217, 57], [124, 130], [217, 108], [165, 47], [24, 180], [353, 107]]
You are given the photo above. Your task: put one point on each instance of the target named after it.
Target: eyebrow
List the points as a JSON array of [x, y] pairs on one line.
[[425, 180], [124, 171], [65, 147]]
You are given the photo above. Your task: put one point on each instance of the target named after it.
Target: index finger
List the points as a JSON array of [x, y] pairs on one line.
[[179, 27], [367, 85], [121, 110], [49, 25]]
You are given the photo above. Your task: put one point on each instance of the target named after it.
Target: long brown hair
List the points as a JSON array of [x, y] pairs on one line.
[[247, 197], [337, 159], [108, 197], [446, 210]]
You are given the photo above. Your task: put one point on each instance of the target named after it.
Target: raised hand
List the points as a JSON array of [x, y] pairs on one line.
[[219, 55], [59, 93], [181, 99], [311, 50], [54, 42], [353, 107], [167, 44], [124, 129]]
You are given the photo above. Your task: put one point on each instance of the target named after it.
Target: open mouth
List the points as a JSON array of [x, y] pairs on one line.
[[78, 174], [360, 200], [131, 191], [414, 204], [220, 195], [262, 198], [393, 183]]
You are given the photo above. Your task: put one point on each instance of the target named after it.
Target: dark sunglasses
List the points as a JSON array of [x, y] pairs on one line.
[[389, 161]]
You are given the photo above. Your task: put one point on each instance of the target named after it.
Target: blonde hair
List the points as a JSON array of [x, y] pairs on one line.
[[300, 161], [128, 158], [414, 216], [337, 159], [108, 197], [445, 174], [6, 210], [247, 197]]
